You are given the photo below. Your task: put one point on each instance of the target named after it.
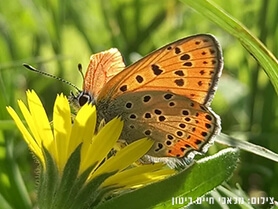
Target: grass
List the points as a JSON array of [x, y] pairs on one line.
[[55, 36]]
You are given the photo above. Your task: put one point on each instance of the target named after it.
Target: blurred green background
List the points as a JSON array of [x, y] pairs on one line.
[[54, 36]]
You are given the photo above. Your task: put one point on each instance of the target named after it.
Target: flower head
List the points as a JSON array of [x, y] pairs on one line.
[[77, 166]]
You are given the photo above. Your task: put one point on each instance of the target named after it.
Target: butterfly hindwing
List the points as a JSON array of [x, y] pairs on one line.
[[177, 124]]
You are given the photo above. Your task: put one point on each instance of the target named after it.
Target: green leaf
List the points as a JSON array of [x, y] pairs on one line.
[[76, 188], [89, 193], [195, 181], [4, 203], [253, 45], [68, 191], [48, 182], [11, 180], [69, 175]]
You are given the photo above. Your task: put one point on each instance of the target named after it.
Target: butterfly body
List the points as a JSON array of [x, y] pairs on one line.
[[164, 96]]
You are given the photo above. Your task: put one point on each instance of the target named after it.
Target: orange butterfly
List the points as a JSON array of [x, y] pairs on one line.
[[164, 96]]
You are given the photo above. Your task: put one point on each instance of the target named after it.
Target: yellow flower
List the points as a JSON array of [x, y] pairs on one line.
[[75, 167]]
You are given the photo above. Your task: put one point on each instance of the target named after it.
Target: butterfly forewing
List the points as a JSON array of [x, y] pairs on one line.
[[177, 124], [189, 67]]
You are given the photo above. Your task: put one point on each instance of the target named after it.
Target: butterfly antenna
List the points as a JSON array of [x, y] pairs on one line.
[[79, 66], [29, 67]]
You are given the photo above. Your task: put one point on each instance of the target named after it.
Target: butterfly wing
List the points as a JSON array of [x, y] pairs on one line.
[[189, 67], [178, 125], [102, 67]]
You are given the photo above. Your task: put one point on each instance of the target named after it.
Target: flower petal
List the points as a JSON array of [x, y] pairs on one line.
[[30, 122], [139, 176], [32, 144], [101, 144], [40, 120], [125, 157], [83, 127], [62, 130]]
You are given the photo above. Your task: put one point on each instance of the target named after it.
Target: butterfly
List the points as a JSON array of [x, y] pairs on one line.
[[164, 96]]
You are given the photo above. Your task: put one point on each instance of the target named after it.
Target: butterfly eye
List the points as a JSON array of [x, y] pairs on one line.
[[84, 98]]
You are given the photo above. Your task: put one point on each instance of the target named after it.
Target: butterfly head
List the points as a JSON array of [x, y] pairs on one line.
[[81, 98]]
